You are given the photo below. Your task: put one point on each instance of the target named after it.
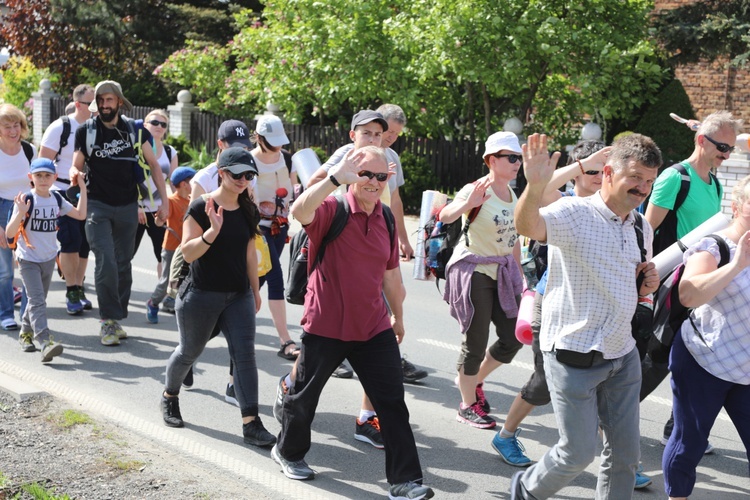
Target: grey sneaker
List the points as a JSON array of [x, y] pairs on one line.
[[293, 470], [409, 491], [121, 334], [108, 333], [26, 340], [255, 434], [50, 349]]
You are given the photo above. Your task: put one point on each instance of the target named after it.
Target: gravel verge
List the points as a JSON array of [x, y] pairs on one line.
[[45, 441]]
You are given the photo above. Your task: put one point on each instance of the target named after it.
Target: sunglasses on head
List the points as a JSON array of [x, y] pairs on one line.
[[722, 147], [157, 123], [511, 158], [370, 175], [249, 175]]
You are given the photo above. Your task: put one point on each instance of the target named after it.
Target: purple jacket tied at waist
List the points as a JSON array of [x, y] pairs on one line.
[[458, 284]]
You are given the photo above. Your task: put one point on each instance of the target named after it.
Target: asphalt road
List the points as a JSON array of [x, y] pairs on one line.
[[124, 383]]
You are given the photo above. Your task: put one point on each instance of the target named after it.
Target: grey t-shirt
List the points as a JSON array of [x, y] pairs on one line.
[[395, 181], [41, 229]]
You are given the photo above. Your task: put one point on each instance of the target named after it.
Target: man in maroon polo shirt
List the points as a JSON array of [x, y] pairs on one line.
[[346, 318]]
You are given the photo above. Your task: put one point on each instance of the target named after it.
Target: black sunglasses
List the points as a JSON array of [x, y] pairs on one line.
[[592, 172], [370, 175], [511, 158], [723, 147], [84, 102], [247, 175], [156, 123]]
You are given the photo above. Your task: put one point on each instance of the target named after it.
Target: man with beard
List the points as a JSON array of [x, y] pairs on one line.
[[590, 360], [108, 148]]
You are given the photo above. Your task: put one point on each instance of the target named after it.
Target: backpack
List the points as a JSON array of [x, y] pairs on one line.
[[64, 136], [28, 150], [299, 270], [441, 239], [29, 198], [666, 234], [669, 313]]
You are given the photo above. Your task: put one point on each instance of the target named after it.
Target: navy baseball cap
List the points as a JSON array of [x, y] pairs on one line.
[[235, 133]]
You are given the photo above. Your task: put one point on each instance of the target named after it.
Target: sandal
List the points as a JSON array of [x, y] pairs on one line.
[[291, 356]]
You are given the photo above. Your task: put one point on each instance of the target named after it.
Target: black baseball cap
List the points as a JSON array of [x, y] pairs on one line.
[[237, 160], [235, 133], [366, 116]]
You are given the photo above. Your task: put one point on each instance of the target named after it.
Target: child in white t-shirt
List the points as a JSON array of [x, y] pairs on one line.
[[36, 250]]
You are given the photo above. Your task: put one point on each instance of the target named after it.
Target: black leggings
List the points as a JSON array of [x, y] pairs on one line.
[[156, 233]]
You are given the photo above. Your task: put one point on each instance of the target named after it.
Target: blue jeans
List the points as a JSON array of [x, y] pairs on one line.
[[584, 399], [110, 232], [6, 266], [198, 312], [275, 276], [698, 399]]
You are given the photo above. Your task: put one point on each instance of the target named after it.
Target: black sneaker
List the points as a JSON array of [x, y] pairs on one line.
[[170, 410], [343, 371], [255, 434], [409, 491], [278, 403], [411, 372], [474, 416], [188, 382], [481, 399], [369, 432], [229, 396]]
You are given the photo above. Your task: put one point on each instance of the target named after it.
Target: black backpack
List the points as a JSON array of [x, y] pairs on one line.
[[64, 135], [296, 285], [28, 150], [669, 313], [666, 234]]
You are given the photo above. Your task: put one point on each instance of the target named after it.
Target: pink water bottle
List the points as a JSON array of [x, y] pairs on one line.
[[525, 314]]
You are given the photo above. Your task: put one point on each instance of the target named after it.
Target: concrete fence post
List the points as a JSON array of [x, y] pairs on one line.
[[42, 115], [180, 114]]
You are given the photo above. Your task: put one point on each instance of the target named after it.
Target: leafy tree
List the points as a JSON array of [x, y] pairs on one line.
[[708, 29]]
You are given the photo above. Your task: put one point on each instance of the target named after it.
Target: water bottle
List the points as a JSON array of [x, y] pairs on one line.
[[432, 252]]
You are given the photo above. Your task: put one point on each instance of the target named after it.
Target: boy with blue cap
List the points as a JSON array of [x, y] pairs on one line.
[[34, 224]]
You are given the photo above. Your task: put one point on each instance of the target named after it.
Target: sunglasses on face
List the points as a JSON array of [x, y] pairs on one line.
[[722, 147], [247, 175], [84, 103], [511, 158], [157, 123], [592, 172], [370, 175]]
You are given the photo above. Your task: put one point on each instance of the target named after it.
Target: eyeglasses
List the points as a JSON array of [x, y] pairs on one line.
[[370, 175], [247, 175], [84, 103], [592, 172], [723, 147], [511, 158], [157, 123]]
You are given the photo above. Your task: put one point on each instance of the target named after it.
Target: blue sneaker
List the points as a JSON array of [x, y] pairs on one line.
[[73, 302], [511, 450], [641, 480], [152, 312]]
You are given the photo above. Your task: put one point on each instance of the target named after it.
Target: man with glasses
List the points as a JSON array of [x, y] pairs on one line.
[[360, 266], [684, 196], [107, 146], [57, 145]]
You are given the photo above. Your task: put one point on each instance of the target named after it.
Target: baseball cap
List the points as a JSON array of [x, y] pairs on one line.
[[42, 165], [499, 141], [237, 160], [180, 174], [270, 127], [235, 133], [366, 116], [110, 87]]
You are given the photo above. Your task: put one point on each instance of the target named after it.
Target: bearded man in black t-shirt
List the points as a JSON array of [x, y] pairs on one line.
[[110, 159]]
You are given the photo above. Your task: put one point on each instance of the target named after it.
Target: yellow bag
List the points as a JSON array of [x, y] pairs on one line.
[[264, 255]]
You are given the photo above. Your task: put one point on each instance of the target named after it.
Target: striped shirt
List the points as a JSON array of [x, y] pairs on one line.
[[724, 323], [591, 291]]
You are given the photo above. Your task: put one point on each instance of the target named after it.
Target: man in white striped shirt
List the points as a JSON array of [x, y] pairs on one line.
[[592, 366]]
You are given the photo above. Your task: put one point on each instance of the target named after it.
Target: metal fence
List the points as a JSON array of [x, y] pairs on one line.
[[454, 162]]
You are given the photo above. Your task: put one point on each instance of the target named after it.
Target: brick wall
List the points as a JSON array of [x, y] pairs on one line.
[[710, 85]]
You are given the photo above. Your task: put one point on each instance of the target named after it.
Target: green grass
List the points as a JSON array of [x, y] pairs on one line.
[[124, 464], [70, 418], [37, 491]]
